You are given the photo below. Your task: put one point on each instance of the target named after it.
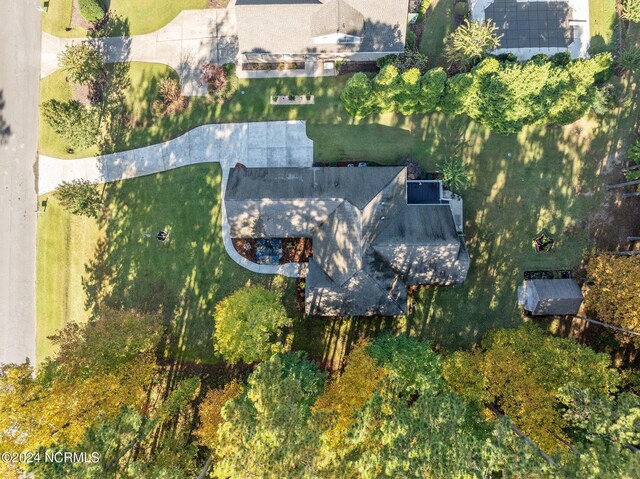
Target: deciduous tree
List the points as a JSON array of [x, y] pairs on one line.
[[83, 62], [614, 297], [74, 122], [522, 370], [269, 431], [80, 197], [247, 323]]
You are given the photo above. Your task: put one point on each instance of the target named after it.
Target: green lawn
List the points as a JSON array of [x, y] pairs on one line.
[[83, 263], [543, 177], [602, 25], [142, 16], [437, 26]]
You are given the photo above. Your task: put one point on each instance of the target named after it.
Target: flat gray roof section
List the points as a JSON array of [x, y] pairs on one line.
[[532, 24]]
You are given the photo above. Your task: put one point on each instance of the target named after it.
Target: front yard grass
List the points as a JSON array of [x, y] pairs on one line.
[[141, 16], [82, 262]]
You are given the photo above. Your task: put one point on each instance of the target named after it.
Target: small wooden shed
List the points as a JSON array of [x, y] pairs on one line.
[[547, 297]]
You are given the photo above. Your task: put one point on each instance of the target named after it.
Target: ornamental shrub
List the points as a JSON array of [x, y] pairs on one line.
[[92, 10]]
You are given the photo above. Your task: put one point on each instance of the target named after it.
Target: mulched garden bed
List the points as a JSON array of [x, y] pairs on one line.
[[549, 274], [294, 250], [355, 67], [273, 66]]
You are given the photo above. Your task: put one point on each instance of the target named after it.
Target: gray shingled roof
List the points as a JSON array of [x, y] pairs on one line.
[[543, 297], [367, 242], [283, 27], [337, 16]]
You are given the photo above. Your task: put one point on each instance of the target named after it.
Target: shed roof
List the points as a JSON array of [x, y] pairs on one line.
[[543, 297]]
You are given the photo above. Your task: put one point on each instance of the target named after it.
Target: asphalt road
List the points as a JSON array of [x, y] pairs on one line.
[[19, 77]]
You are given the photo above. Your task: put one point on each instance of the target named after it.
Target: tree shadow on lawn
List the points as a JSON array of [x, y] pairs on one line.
[[183, 278], [543, 177]]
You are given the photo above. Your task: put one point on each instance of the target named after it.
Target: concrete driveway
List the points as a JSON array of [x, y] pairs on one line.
[[192, 38], [19, 91], [261, 144]]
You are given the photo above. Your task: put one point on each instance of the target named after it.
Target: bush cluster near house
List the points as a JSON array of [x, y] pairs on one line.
[[503, 95], [221, 81], [92, 10]]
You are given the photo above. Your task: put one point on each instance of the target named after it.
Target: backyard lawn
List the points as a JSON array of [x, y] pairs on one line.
[[602, 25], [143, 16], [438, 25]]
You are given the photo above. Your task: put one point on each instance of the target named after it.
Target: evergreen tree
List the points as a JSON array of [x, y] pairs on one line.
[[75, 123], [386, 87], [357, 96], [431, 92], [269, 431]]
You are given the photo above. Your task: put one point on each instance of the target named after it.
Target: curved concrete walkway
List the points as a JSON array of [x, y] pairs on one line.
[[262, 144], [192, 38]]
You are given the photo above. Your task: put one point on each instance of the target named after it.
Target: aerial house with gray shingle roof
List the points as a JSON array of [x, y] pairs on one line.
[[303, 30], [369, 242]]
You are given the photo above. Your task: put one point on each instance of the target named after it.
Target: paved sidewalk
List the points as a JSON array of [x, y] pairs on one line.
[[261, 144], [192, 38]]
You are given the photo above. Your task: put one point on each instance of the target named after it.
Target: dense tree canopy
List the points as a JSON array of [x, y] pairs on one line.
[[614, 297], [100, 367], [503, 95], [522, 370], [247, 323], [269, 431]]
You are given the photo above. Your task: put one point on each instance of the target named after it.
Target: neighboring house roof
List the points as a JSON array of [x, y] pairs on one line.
[[290, 27], [368, 243], [543, 297]]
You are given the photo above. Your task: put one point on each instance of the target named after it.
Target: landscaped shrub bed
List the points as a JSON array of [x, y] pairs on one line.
[[549, 274], [91, 10], [294, 250], [274, 66]]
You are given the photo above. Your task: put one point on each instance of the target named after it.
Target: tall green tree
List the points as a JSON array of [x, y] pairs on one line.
[[269, 431], [72, 121], [414, 426], [470, 42], [357, 96], [79, 197], [83, 62], [454, 175], [386, 88], [431, 90], [522, 371], [247, 323]]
